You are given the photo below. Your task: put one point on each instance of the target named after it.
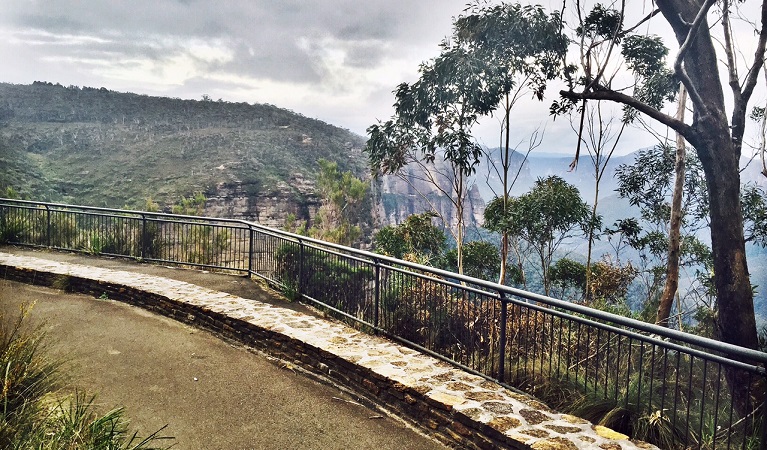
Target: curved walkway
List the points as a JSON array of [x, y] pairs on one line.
[[455, 406]]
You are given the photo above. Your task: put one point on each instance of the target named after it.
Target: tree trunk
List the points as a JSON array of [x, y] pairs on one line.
[[675, 224], [735, 321], [506, 166], [719, 154]]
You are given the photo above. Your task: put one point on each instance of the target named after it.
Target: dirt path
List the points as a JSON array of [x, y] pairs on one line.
[[213, 395]]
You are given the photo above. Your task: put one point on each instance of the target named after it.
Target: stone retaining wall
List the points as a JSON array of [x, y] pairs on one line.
[[458, 408]]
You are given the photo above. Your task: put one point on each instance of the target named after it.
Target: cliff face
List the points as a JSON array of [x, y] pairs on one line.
[[242, 200], [413, 193], [395, 199]]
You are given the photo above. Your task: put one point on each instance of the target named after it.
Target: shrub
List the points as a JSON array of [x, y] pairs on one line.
[[429, 313], [328, 278]]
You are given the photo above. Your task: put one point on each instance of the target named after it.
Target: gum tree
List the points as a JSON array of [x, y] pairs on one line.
[[716, 132], [545, 217], [478, 70]]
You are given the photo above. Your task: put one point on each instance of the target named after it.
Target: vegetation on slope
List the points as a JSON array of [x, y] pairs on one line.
[[104, 148]]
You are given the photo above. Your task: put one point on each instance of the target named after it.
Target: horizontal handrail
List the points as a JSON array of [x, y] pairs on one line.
[[396, 264]]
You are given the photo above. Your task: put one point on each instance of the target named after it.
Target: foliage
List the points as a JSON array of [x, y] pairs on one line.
[[11, 193], [75, 425], [28, 377], [415, 239], [481, 260], [647, 183], [104, 148], [754, 202], [345, 205], [551, 212], [118, 239], [12, 228], [321, 275], [203, 244], [476, 68], [293, 225], [192, 206], [568, 275], [152, 240], [610, 282], [424, 312], [518, 42], [39, 227]]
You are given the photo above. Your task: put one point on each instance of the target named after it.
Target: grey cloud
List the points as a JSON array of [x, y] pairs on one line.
[[263, 35]]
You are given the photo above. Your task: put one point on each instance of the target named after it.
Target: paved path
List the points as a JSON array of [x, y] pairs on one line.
[[212, 395], [457, 406]]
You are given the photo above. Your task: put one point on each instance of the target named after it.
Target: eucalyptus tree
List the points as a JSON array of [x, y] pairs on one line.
[[653, 184], [716, 131], [603, 134], [433, 119], [545, 217], [523, 45], [675, 222], [491, 47]]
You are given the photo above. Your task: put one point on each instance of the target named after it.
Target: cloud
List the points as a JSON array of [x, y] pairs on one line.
[[287, 40]]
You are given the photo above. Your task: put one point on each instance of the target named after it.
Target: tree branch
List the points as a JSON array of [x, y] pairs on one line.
[[654, 13], [753, 73], [606, 94], [683, 49], [729, 51]]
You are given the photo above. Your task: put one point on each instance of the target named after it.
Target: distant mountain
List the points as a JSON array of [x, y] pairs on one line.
[[541, 165], [104, 148]]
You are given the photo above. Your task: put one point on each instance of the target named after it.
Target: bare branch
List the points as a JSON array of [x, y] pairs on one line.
[[753, 73], [729, 50], [607, 94], [574, 163], [613, 40], [654, 13]]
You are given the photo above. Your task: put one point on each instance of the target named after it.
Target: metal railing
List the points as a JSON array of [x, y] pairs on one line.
[[670, 388]]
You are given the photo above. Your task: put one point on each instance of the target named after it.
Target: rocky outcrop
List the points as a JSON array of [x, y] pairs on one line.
[[396, 198], [411, 193], [270, 207]]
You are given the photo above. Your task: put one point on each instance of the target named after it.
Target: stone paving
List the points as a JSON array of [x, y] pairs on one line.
[[459, 408]]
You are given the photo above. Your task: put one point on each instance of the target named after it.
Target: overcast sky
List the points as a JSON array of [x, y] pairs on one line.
[[335, 60]]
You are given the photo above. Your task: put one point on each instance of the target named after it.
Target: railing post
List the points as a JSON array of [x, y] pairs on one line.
[[251, 250], [299, 287], [47, 226], [143, 236], [377, 291], [502, 343]]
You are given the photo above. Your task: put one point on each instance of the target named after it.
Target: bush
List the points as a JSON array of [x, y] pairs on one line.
[[328, 278], [38, 227], [428, 313]]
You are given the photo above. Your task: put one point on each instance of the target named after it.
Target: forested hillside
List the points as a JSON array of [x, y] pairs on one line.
[[104, 148]]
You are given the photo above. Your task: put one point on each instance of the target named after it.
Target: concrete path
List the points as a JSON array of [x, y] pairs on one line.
[[447, 402], [212, 395]]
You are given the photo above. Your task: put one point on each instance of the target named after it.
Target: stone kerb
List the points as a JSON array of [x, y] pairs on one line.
[[456, 407]]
